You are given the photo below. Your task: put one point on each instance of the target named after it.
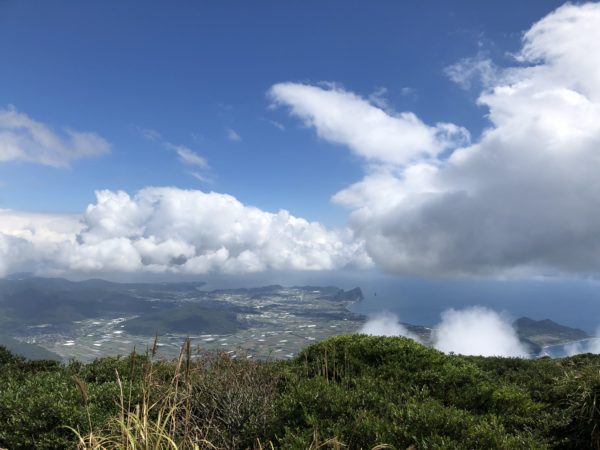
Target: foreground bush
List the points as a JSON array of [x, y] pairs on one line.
[[346, 392]]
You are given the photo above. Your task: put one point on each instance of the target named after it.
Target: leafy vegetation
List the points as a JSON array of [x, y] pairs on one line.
[[346, 392]]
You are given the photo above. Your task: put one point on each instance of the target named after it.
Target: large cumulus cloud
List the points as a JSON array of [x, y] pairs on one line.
[[172, 230], [522, 199]]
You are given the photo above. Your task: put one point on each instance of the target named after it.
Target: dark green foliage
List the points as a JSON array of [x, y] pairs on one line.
[[236, 397], [8, 358], [38, 399], [33, 411], [29, 351], [368, 390], [582, 391], [361, 390]]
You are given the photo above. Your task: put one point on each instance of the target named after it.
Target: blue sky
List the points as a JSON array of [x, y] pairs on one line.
[[447, 150], [192, 72]]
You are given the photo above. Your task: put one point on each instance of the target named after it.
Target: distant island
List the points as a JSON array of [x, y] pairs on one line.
[[539, 333]]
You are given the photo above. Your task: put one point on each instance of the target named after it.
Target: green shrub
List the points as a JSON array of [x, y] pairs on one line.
[[357, 391]]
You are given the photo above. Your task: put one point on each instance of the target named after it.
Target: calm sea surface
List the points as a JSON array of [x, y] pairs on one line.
[[573, 303]]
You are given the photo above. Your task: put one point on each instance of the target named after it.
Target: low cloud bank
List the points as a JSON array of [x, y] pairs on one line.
[[471, 331], [170, 230]]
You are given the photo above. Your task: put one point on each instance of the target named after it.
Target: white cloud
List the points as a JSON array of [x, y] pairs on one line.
[[471, 331], [523, 200], [477, 331], [343, 117], [379, 99], [587, 346], [172, 230], [187, 156], [233, 135], [386, 324], [147, 133], [31, 241], [476, 70], [39, 228], [25, 139], [201, 177], [276, 124]]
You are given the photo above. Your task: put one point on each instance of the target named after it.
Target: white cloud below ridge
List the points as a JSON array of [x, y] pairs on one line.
[[471, 331]]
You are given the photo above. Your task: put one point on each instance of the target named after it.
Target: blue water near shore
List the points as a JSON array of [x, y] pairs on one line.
[[572, 303]]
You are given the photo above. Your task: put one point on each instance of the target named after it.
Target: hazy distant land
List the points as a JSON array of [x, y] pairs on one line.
[[53, 318], [93, 318]]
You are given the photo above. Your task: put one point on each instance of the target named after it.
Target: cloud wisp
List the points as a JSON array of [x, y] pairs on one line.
[[185, 155], [585, 346], [478, 70], [386, 324], [233, 135], [25, 139], [188, 156], [522, 200]]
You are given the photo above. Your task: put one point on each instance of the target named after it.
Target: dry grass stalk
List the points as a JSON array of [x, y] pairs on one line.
[[207, 403]]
